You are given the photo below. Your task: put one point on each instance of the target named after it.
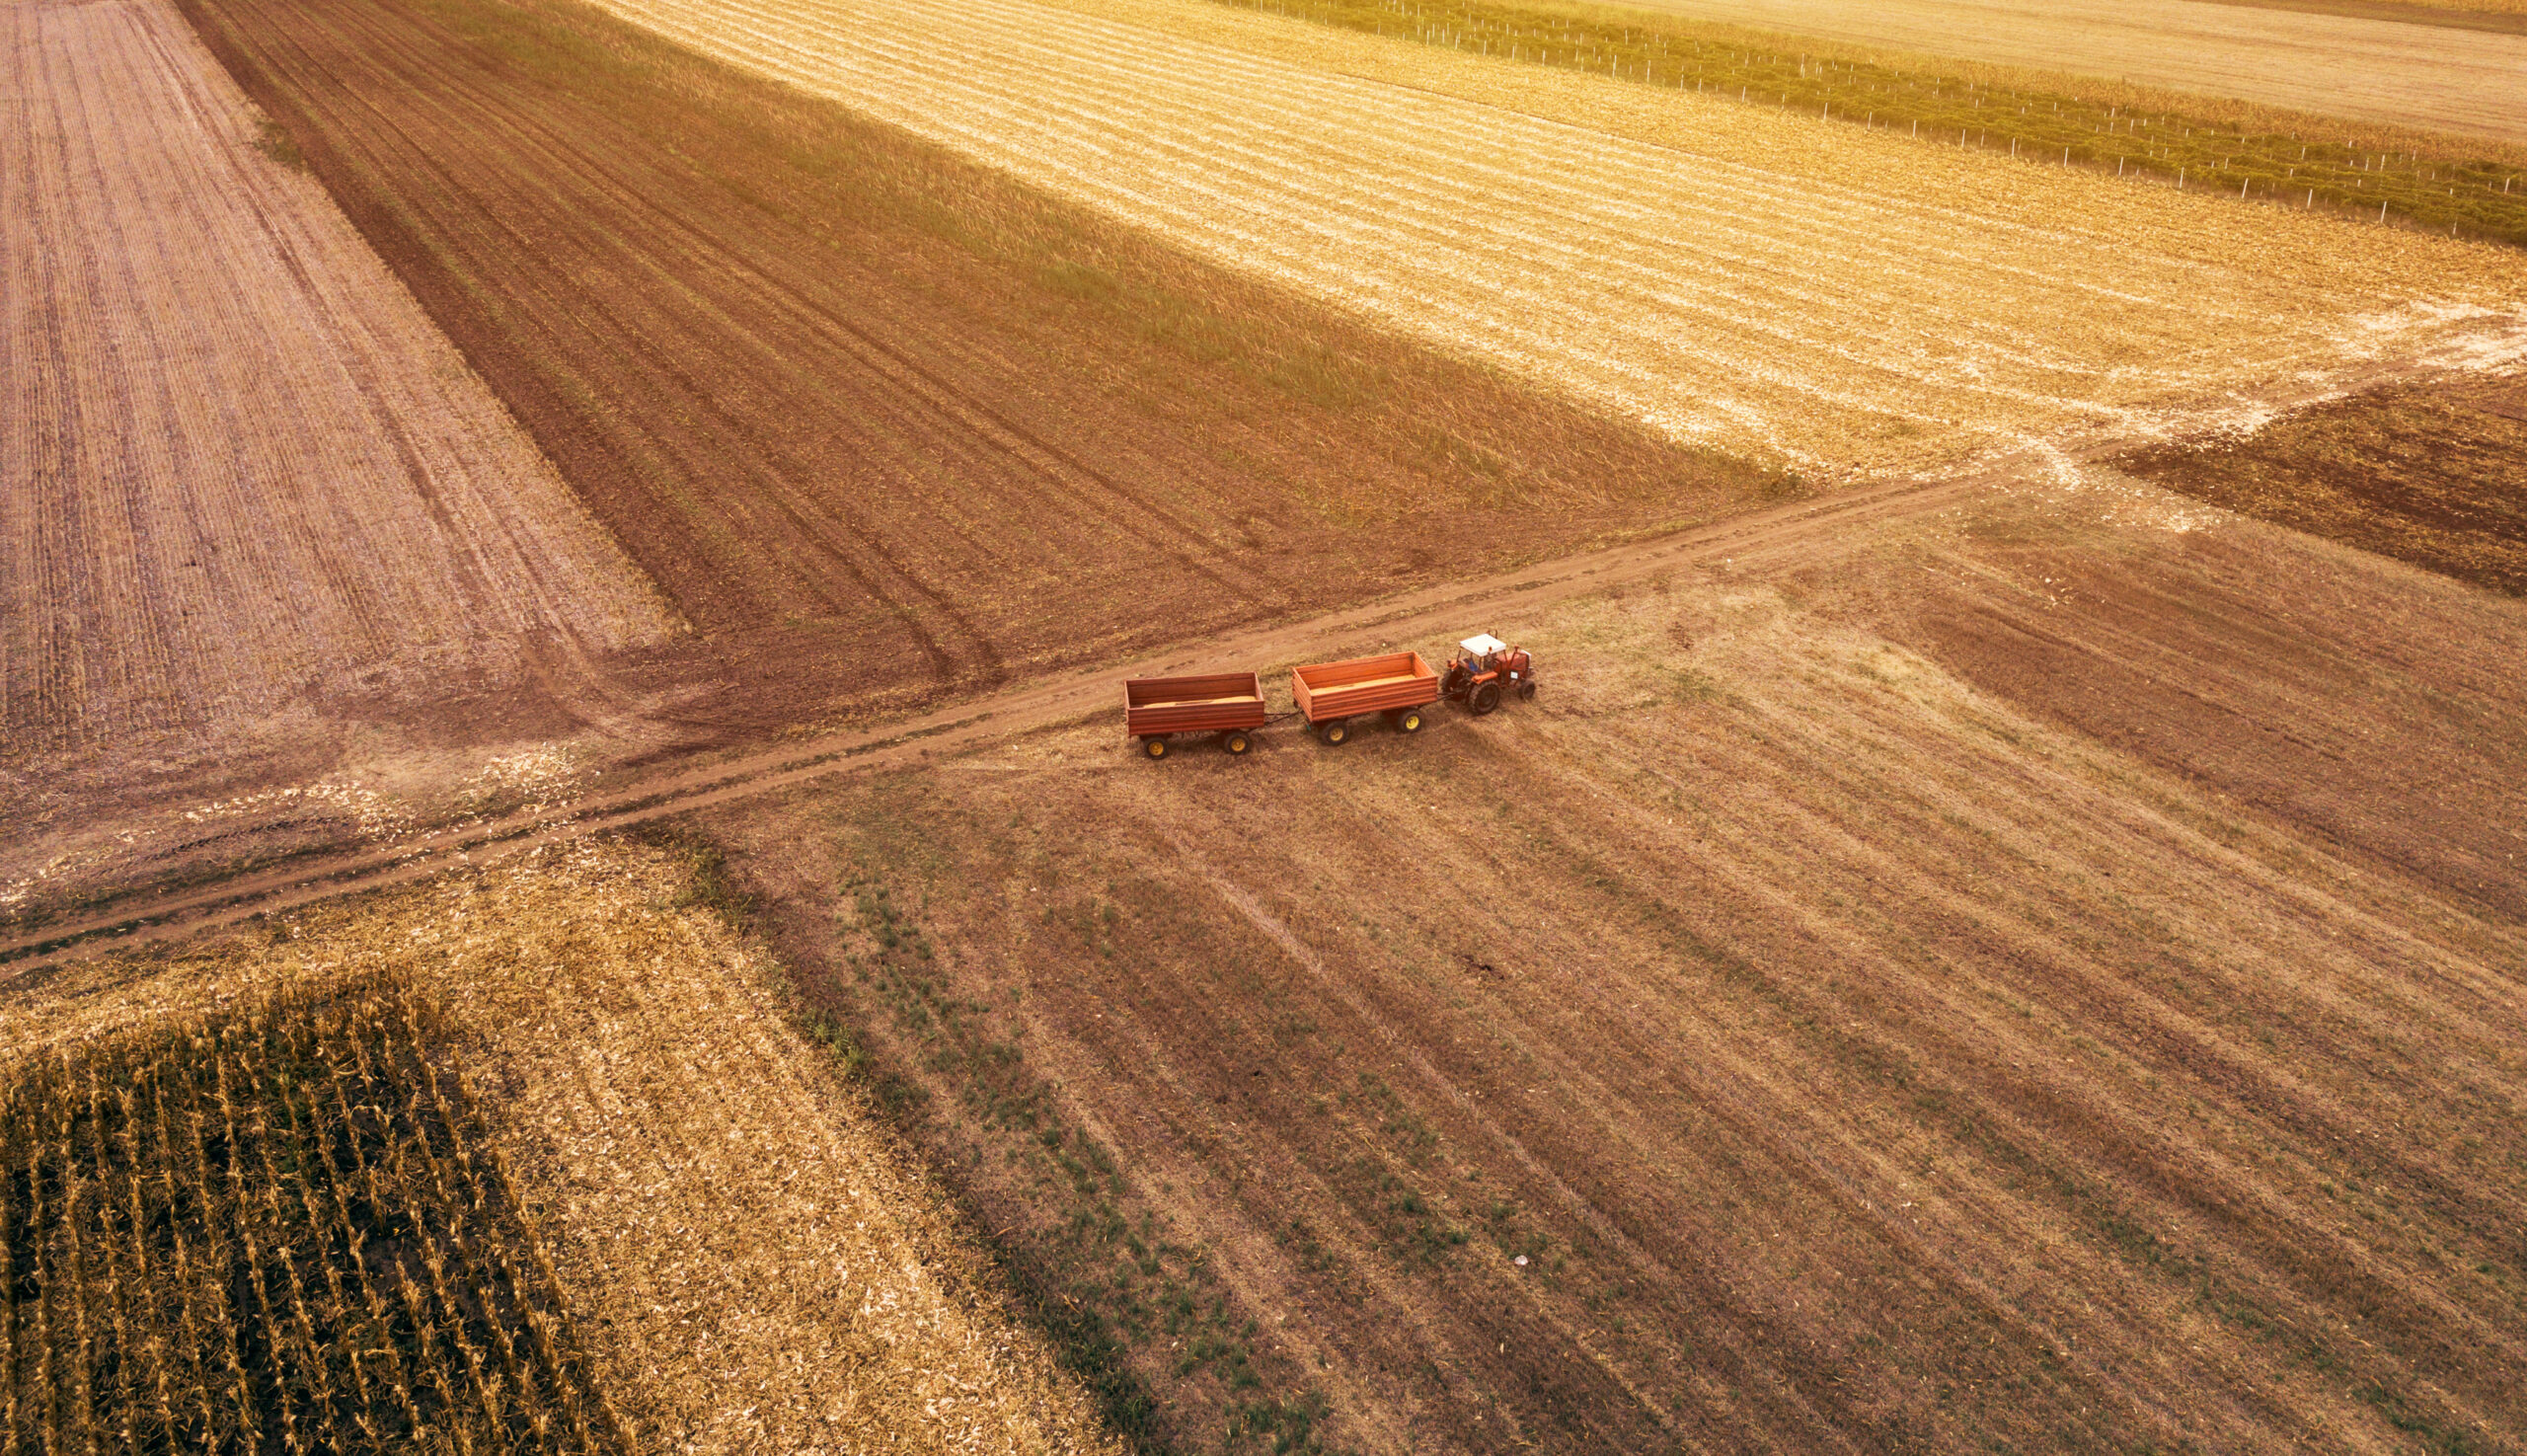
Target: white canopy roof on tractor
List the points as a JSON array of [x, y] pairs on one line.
[[1483, 643]]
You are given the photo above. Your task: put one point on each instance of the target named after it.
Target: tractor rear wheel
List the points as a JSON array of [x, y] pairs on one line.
[[1235, 743], [1335, 731], [1486, 696], [1407, 719], [1154, 748]]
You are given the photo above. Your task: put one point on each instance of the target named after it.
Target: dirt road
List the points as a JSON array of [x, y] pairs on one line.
[[241, 475], [1804, 292], [2431, 77], [138, 915], [883, 425]]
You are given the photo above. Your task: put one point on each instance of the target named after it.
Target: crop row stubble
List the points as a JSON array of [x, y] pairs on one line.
[[1787, 288], [238, 470], [768, 1273], [825, 378]]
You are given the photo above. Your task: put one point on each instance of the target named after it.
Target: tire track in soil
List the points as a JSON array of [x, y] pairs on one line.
[[804, 532], [1888, 898], [1811, 1405]]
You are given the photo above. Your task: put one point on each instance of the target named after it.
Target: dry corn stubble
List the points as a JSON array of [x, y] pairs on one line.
[[1804, 292], [755, 1268]]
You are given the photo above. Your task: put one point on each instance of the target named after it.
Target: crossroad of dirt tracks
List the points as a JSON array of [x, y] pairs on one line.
[[1805, 292], [146, 916], [237, 463]]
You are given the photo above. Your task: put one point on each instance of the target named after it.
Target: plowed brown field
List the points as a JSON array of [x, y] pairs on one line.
[[241, 475], [1809, 293], [881, 424], [2044, 977], [2428, 475], [820, 376]]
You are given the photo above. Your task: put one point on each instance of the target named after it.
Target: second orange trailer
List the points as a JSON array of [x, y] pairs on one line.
[[1397, 685]]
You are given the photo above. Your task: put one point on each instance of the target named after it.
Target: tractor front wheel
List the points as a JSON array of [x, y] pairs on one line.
[[1527, 689], [1486, 696], [1336, 731], [1154, 748], [1407, 720], [1235, 743]]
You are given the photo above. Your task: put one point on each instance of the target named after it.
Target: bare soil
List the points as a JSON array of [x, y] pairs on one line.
[[2432, 475], [2040, 973], [883, 425]]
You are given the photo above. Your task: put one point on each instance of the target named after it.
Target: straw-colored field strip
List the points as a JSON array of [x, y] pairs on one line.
[[1811, 293], [2340, 65], [239, 468]]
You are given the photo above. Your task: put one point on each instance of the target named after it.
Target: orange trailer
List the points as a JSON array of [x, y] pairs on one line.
[[1229, 704], [1331, 694]]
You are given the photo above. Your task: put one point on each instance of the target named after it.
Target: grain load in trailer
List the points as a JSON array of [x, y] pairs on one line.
[[1399, 685], [1229, 704]]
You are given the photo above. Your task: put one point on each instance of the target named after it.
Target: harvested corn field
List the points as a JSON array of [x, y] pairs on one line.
[[750, 1265], [1997, 956], [1811, 294], [244, 476]]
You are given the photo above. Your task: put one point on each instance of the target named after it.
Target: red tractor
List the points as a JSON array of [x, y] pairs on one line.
[[1485, 669]]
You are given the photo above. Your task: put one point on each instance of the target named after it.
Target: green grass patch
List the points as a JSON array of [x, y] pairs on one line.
[[1092, 1268]]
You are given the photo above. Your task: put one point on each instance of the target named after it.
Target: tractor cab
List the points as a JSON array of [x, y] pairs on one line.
[[1483, 671]]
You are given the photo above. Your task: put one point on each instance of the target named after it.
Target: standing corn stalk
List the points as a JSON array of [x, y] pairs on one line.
[[275, 1231]]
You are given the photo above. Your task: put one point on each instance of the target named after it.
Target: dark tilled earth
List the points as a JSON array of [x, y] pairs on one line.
[[2435, 475]]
